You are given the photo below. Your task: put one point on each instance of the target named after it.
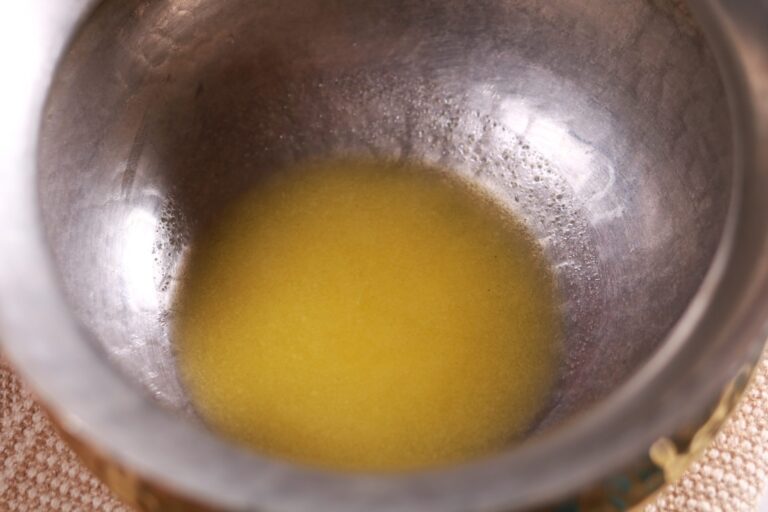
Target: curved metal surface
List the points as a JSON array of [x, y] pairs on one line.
[[603, 126], [622, 170]]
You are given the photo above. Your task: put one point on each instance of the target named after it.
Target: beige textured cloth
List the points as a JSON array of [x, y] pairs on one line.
[[38, 473]]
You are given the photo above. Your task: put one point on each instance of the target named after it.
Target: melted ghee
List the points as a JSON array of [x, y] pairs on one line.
[[363, 316]]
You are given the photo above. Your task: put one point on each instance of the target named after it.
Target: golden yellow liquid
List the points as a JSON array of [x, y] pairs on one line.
[[362, 316]]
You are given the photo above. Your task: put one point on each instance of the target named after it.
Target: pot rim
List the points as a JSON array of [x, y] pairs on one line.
[[723, 327]]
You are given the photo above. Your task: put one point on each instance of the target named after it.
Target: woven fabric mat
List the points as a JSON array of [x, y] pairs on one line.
[[38, 472]]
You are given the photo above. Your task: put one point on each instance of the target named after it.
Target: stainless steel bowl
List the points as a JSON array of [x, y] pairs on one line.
[[605, 126]]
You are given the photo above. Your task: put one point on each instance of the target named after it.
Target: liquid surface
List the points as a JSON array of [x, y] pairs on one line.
[[367, 317]]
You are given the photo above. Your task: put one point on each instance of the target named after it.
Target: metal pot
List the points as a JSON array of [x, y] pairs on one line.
[[631, 137]]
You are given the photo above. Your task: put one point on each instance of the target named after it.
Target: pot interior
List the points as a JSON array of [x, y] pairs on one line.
[[602, 126]]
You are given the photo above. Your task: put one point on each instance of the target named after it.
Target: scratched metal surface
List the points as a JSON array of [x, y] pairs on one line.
[[604, 127]]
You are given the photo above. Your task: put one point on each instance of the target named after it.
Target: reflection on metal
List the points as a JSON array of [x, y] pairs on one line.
[[138, 261], [604, 125]]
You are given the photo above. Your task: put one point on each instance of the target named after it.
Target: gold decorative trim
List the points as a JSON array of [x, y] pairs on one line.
[[673, 461]]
